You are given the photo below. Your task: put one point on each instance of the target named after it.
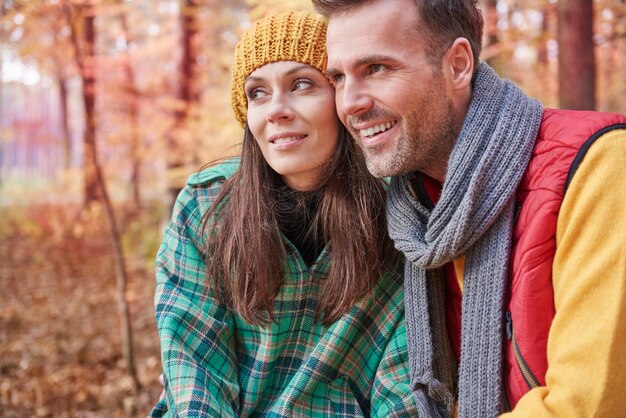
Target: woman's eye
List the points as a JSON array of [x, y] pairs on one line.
[[255, 94], [302, 84]]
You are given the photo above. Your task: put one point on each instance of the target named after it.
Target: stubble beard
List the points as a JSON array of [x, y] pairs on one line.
[[376, 157], [429, 140], [385, 163], [424, 144]]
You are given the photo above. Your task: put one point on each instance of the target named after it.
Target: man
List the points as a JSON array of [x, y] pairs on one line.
[[512, 217]]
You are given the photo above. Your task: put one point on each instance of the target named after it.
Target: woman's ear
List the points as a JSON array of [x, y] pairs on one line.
[[458, 62]]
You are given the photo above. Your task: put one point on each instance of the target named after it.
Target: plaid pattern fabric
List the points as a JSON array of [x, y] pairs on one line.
[[217, 365]]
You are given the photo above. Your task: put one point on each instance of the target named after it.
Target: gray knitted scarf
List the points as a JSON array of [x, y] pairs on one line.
[[474, 217]]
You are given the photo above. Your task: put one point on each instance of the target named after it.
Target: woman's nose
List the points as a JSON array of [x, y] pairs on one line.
[[280, 109]]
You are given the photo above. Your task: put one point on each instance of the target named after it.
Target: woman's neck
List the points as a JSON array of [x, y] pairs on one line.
[[296, 216]]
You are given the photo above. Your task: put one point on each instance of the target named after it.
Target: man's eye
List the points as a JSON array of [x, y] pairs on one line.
[[376, 68], [336, 79]]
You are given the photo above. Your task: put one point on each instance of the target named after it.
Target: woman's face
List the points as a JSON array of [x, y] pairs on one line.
[[291, 113]]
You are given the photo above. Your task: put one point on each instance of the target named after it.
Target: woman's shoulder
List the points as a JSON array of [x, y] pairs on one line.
[[203, 188], [391, 281], [213, 173]]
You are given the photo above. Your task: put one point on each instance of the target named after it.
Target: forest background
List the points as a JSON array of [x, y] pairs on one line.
[[106, 106]]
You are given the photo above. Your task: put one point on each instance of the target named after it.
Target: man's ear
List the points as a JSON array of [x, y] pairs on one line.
[[458, 63]]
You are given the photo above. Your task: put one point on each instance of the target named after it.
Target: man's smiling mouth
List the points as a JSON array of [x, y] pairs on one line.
[[373, 130]]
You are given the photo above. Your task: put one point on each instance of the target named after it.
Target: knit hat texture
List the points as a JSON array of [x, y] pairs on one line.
[[289, 36]]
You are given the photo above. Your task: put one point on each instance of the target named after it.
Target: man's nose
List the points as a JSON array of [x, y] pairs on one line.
[[353, 99]]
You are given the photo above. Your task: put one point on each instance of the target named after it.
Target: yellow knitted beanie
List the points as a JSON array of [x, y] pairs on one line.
[[290, 36]]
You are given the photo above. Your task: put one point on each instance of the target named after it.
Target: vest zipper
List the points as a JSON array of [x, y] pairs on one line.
[[528, 375], [507, 402]]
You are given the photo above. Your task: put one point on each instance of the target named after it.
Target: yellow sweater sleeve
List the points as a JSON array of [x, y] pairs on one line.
[[586, 373]]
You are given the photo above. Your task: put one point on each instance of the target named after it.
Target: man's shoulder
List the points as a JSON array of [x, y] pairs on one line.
[[563, 125], [565, 137]]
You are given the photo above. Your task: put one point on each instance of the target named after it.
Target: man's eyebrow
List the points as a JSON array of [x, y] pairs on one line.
[[364, 61], [371, 59]]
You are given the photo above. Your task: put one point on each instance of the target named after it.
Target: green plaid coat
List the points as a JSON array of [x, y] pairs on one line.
[[217, 365]]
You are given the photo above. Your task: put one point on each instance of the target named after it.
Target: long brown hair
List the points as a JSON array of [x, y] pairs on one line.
[[245, 252]]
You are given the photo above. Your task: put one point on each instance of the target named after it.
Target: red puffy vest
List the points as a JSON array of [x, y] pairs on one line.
[[562, 141]]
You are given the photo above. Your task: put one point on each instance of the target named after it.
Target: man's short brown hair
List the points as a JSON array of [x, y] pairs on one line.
[[445, 21]]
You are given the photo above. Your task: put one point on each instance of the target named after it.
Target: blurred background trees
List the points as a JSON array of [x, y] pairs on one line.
[[148, 81], [106, 106]]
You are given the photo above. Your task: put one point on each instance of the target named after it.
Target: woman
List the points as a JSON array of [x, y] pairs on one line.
[[278, 290]]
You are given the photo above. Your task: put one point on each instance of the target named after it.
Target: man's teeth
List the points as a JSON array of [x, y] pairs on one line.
[[287, 139], [376, 129]]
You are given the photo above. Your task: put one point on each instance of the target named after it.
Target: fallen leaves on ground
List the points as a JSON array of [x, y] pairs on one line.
[[60, 353]]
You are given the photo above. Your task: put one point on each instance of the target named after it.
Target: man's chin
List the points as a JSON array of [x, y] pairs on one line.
[[390, 166], [379, 167]]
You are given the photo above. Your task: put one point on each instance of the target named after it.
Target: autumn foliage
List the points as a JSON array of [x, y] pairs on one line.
[[106, 106]]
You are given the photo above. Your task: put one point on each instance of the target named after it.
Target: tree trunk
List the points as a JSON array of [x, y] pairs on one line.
[[189, 89], [542, 48], [614, 52], [121, 280], [577, 68], [491, 21], [89, 96], [493, 50], [65, 126], [188, 94], [133, 107], [85, 58]]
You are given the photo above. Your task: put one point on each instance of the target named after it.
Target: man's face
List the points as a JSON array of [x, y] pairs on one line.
[[391, 97]]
